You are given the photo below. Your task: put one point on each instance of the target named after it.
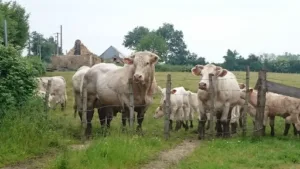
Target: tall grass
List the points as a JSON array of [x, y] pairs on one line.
[[26, 133]]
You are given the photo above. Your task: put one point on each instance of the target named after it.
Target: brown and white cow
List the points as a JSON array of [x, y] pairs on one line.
[[277, 105], [227, 95], [112, 86]]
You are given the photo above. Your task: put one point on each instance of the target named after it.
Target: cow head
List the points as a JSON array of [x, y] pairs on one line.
[[164, 94], [243, 90], [158, 112], [144, 64], [204, 71]]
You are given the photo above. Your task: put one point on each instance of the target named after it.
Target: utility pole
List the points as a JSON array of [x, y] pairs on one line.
[[61, 46], [29, 46], [5, 33], [40, 48], [57, 46]]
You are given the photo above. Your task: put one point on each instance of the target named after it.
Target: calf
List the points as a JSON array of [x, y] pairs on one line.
[[277, 105], [57, 90], [180, 107]]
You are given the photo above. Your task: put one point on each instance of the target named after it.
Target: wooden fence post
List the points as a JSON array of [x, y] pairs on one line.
[[131, 102], [84, 112], [167, 107], [212, 102], [46, 108], [261, 101], [246, 103]]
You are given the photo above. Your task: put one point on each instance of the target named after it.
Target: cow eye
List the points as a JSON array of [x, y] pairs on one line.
[[147, 63]]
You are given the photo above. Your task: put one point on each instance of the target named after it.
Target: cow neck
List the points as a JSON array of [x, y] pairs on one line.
[[253, 98]]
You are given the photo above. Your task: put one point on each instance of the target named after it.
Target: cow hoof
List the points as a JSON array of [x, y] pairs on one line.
[[200, 138]]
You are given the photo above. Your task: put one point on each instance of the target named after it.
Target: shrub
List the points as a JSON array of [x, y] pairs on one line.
[[173, 68], [25, 132], [39, 67], [17, 76]]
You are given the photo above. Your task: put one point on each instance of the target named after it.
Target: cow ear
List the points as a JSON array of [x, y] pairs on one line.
[[242, 85], [160, 89], [128, 61], [173, 91], [154, 58], [196, 70], [223, 73]]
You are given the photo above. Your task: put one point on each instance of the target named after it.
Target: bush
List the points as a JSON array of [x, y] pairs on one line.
[[39, 67], [173, 68], [25, 132], [17, 76]]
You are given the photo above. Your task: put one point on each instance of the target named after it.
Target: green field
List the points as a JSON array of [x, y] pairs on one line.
[[127, 150]]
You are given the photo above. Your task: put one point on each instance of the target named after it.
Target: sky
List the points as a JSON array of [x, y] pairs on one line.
[[210, 27]]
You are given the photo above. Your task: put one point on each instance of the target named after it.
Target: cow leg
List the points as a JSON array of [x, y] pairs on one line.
[[241, 122], [178, 125], [125, 116], [178, 117], [191, 124], [218, 125], [233, 127], [109, 117], [170, 125], [90, 114], [286, 129], [101, 114], [295, 130], [224, 120], [140, 118], [272, 119], [201, 126], [185, 125]]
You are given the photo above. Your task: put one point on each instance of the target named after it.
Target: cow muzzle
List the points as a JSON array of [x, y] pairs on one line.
[[138, 77], [202, 86]]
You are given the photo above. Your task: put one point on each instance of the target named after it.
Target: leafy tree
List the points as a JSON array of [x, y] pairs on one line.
[[17, 23], [154, 43], [48, 46], [17, 78], [230, 60], [133, 37], [177, 52], [193, 59]]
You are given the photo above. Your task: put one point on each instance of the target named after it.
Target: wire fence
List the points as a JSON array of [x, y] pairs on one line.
[[140, 101]]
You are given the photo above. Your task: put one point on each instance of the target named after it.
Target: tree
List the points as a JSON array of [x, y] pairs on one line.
[[176, 47], [48, 46], [17, 23], [177, 51], [193, 59], [154, 43], [133, 37]]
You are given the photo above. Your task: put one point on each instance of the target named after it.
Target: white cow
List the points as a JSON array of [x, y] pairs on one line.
[[77, 80], [111, 89], [179, 104], [57, 90], [42, 94], [227, 94]]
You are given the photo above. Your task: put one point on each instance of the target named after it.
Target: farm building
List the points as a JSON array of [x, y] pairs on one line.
[[112, 54], [78, 56]]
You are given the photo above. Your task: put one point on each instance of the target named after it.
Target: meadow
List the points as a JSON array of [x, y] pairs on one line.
[[128, 150]]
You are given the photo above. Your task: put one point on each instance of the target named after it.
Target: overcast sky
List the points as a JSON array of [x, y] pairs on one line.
[[210, 27]]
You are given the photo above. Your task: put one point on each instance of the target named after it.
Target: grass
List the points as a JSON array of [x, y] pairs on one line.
[[125, 150], [267, 153]]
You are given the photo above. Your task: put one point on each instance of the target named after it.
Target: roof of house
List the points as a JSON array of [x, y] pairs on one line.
[[112, 52]]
